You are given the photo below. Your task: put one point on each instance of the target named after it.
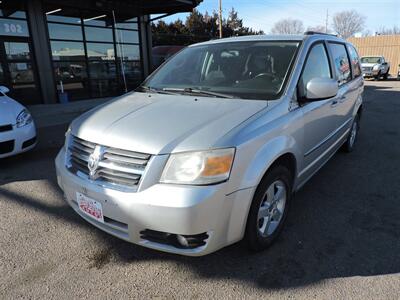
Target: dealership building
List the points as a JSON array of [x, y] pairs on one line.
[[55, 51]]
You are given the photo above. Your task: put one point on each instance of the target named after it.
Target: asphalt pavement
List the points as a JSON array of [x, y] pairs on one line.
[[342, 240]]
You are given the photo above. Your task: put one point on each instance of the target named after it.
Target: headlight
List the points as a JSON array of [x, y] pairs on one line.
[[24, 118], [199, 168], [67, 136], [375, 67]]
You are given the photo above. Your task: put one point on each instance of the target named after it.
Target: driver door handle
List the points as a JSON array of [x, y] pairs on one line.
[[334, 103]]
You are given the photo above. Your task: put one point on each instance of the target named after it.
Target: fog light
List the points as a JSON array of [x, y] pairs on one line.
[[176, 240], [182, 240]]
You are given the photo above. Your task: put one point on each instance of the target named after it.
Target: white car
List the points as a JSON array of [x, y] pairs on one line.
[[17, 129]]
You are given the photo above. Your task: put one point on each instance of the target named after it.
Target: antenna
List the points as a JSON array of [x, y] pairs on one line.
[[119, 38], [220, 19]]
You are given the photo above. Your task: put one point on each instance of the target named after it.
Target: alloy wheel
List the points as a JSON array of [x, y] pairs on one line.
[[272, 208]]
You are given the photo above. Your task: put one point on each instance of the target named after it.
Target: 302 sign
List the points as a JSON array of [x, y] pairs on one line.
[[12, 28]]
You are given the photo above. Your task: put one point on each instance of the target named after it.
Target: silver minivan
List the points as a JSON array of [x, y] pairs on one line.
[[211, 147]]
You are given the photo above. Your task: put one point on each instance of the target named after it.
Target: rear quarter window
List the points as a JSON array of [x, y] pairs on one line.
[[340, 62], [355, 61]]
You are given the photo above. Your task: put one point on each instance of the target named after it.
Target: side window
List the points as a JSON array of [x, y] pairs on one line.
[[317, 65], [341, 62], [355, 61]]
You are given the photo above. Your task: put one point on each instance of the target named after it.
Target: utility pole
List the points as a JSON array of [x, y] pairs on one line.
[[326, 21], [220, 19]]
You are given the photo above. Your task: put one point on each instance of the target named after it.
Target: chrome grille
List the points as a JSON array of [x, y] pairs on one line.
[[116, 168], [367, 69]]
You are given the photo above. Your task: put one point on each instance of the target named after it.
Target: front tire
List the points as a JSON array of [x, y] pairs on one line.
[[269, 208], [386, 74]]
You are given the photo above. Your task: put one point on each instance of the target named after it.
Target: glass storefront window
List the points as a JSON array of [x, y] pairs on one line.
[[105, 21], [73, 78], [128, 52], [100, 51], [131, 26], [127, 36], [97, 34], [132, 70], [70, 71], [17, 50], [21, 72], [65, 32], [83, 46], [13, 9], [13, 14], [102, 69], [67, 50], [12, 27], [104, 87], [63, 19], [75, 90]]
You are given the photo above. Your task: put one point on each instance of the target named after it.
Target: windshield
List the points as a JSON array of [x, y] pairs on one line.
[[249, 70], [371, 60]]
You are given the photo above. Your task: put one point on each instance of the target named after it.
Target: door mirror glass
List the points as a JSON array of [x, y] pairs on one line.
[[3, 89], [320, 88]]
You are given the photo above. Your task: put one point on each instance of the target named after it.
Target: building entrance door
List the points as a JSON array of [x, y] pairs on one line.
[[18, 71]]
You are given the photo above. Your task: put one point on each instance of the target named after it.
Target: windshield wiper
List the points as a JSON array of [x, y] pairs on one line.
[[153, 90], [198, 91]]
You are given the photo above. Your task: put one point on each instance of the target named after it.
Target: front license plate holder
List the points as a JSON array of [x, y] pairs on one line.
[[90, 207]]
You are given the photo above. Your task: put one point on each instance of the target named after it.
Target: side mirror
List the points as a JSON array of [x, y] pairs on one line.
[[384, 63], [3, 89], [320, 88]]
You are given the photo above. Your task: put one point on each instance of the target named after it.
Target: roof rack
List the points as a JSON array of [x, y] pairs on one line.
[[317, 32]]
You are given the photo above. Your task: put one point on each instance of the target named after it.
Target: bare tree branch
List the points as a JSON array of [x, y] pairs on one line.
[[317, 28], [347, 23], [288, 26], [388, 31]]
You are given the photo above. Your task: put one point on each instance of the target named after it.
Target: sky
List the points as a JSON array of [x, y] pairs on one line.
[[262, 14]]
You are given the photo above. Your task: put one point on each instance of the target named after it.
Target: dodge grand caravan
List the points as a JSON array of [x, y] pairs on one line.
[[211, 147]]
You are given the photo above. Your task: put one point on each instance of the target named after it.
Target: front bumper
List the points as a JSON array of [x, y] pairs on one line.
[[370, 73], [18, 140], [175, 209]]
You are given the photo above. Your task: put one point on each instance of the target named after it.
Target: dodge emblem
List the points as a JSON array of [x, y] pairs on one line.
[[93, 161]]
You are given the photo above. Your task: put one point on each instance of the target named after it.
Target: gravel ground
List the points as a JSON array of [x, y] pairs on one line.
[[342, 240]]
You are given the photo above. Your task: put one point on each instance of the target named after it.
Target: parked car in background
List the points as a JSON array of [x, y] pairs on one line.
[[398, 73], [212, 146], [162, 53], [375, 66], [17, 129]]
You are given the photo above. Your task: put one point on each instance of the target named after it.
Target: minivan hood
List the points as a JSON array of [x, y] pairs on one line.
[[158, 124]]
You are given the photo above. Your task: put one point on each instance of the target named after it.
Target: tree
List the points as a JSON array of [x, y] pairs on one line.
[[366, 33], [195, 23], [317, 28], [288, 26], [233, 22], [198, 28], [347, 23], [388, 31]]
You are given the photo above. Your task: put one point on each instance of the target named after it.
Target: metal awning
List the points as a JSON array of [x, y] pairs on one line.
[[131, 7]]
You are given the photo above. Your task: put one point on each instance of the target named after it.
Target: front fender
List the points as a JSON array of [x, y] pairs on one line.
[[255, 166]]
